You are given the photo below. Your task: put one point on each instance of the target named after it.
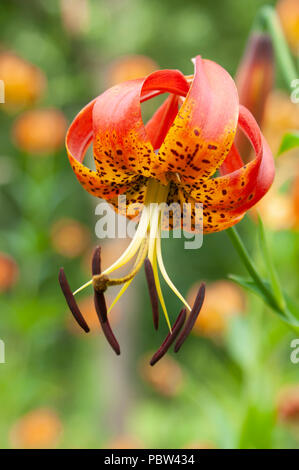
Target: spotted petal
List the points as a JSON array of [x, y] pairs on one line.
[[78, 139], [228, 197], [204, 129], [120, 137]]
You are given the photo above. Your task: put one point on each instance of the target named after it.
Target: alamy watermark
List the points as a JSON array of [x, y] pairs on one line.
[[2, 92], [2, 352], [185, 221], [295, 92], [295, 351]]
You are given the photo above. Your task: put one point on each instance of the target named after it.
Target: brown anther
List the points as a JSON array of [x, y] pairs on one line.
[[73, 306], [100, 304], [170, 338], [99, 298], [149, 273], [192, 317]]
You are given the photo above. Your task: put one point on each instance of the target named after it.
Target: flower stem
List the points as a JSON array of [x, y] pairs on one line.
[[245, 257]]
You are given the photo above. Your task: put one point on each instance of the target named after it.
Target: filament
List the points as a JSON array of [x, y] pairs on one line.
[[153, 259], [138, 263], [166, 277]]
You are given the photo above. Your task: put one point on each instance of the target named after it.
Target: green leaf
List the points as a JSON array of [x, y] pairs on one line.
[[290, 314], [289, 141], [249, 285]]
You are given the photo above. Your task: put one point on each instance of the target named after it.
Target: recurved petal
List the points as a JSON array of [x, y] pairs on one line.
[[158, 126], [194, 217], [228, 197], [204, 129], [120, 137], [78, 138], [232, 162]]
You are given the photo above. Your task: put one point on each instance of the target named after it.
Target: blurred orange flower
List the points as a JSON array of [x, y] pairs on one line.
[[288, 11], [276, 210], [129, 67], [69, 238], [24, 83], [40, 131], [223, 300], [112, 249], [281, 116], [166, 378], [38, 429], [288, 404], [75, 15], [9, 272]]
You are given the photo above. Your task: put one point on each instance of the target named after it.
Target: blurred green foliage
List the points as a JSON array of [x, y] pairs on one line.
[[229, 391]]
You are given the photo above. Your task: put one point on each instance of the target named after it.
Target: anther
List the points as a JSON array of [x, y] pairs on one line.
[[73, 306], [170, 338], [99, 298], [192, 317], [149, 273], [100, 304]]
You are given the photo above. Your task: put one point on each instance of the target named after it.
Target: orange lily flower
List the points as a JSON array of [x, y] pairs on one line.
[[171, 159]]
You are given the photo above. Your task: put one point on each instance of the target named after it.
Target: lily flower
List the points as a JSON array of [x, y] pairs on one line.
[[171, 159]]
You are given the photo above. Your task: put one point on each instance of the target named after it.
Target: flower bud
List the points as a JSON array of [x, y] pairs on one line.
[[254, 80]]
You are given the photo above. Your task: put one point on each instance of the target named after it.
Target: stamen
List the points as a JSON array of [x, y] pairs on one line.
[[166, 277], [82, 287], [73, 306], [192, 317], [152, 255], [100, 304], [129, 278], [106, 281], [120, 294], [109, 335], [135, 243], [131, 250], [170, 338], [149, 273], [99, 298]]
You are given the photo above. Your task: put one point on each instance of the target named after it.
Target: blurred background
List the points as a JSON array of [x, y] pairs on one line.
[[233, 384]]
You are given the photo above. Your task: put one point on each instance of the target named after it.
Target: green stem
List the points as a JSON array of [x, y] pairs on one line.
[[268, 21], [270, 265], [245, 257]]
